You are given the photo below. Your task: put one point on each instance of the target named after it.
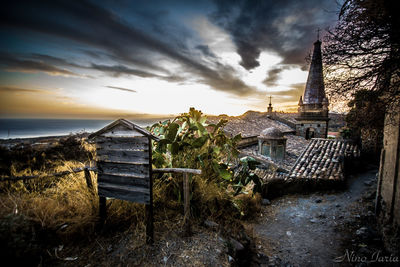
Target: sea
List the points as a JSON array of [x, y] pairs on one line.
[[29, 128]]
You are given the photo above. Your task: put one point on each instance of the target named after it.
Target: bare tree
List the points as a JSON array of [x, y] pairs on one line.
[[362, 50]]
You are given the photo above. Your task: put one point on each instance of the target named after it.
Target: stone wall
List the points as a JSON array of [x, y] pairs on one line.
[[388, 192], [319, 128]]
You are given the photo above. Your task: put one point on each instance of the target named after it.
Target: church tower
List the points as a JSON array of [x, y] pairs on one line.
[[269, 109], [312, 119]]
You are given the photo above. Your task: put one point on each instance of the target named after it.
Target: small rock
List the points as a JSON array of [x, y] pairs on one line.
[[288, 233], [362, 232], [265, 202], [313, 220], [211, 224], [318, 200]]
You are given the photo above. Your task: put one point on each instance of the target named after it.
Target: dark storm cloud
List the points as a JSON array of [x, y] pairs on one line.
[[287, 28], [205, 50], [97, 28], [122, 89], [118, 70], [11, 63]]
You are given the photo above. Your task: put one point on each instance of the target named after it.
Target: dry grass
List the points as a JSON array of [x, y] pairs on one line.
[[47, 211]]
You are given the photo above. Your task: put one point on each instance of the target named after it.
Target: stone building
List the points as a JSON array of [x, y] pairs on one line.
[[312, 119], [272, 144]]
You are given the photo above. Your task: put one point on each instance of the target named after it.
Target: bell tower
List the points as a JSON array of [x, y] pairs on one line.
[[269, 109], [312, 118]]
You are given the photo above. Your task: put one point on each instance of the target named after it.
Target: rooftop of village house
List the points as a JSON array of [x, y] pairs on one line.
[[251, 123], [303, 158]]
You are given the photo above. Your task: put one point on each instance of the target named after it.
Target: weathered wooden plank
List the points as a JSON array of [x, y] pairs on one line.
[[123, 161], [122, 130], [124, 125], [126, 143], [125, 187], [123, 155], [124, 194], [123, 168], [124, 180]]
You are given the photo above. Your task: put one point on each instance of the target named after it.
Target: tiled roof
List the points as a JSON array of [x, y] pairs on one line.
[[250, 124], [266, 174], [324, 159]]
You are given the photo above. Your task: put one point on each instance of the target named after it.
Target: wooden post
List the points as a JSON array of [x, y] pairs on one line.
[[88, 178], [102, 210], [186, 197], [149, 207]]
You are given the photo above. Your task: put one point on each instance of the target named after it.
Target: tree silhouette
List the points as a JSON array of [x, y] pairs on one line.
[[362, 50]]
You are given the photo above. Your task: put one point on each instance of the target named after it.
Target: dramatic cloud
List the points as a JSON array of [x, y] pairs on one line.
[[10, 89], [122, 89], [283, 27], [205, 50], [230, 49], [118, 70], [89, 24], [10, 63]]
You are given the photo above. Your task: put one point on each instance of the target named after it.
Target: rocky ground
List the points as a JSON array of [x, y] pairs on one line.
[[332, 229]]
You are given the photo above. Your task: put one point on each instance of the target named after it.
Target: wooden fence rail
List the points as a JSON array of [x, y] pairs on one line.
[[27, 177], [86, 169]]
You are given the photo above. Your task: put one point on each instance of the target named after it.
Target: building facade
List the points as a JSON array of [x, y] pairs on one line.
[[312, 119], [272, 144]]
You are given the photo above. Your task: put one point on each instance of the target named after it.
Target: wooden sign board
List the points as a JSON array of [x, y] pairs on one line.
[[124, 166]]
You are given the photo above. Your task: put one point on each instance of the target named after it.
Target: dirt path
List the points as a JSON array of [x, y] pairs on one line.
[[304, 230]]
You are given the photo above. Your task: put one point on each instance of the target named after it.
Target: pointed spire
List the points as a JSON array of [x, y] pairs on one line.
[[314, 92], [269, 109]]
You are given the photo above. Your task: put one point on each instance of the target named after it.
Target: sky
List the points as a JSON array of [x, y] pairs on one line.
[[98, 59]]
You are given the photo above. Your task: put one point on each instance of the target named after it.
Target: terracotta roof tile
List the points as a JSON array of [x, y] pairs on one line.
[[323, 159]]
